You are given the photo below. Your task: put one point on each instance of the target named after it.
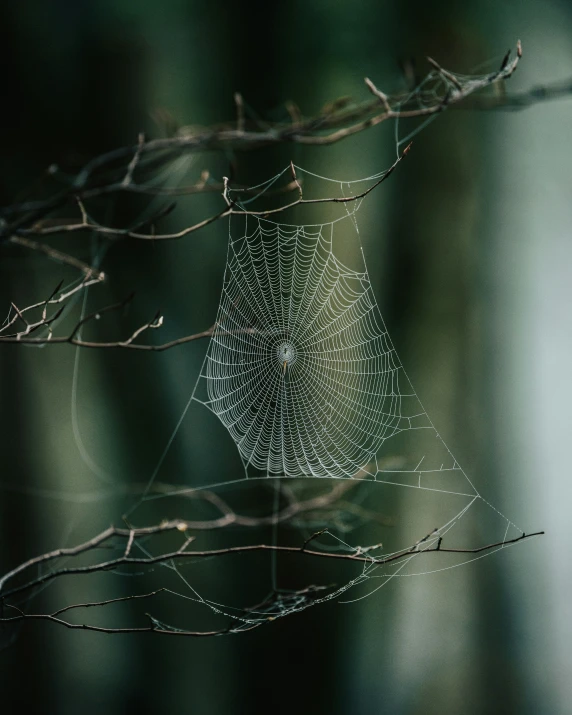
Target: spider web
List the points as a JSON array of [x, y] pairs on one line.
[[300, 368], [302, 373]]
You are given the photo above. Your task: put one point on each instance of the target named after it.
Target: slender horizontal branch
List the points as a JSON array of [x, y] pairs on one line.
[[179, 556], [440, 90], [23, 336], [304, 131], [126, 344], [295, 507], [335, 123], [231, 210], [152, 628], [254, 616]]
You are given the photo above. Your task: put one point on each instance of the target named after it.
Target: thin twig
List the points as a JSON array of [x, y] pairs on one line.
[[451, 77], [311, 538], [379, 94], [127, 344]]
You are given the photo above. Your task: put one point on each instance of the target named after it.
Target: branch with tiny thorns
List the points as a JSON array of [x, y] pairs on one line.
[[181, 555]]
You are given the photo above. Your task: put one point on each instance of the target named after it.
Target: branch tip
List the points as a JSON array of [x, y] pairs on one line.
[[505, 60], [379, 94], [295, 178]]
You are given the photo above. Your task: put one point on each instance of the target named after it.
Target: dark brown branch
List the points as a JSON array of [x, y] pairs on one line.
[[97, 604], [178, 556], [230, 517], [203, 186], [312, 537], [71, 339], [117, 631], [231, 210], [338, 122], [44, 321], [295, 508], [132, 534], [128, 343], [332, 126]]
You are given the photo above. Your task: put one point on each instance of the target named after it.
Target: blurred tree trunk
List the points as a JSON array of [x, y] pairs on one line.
[[432, 642]]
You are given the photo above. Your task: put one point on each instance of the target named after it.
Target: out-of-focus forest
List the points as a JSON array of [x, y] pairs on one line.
[[468, 245]]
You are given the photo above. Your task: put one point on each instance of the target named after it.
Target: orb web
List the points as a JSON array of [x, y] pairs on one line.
[[301, 372], [300, 368]]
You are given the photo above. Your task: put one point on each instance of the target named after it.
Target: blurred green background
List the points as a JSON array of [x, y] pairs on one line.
[[469, 244]]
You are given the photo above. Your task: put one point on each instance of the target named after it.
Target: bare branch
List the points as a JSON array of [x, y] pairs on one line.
[[23, 337], [174, 556], [229, 517], [231, 210], [117, 631], [334, 124], [127, 170], [379, 94], [451, 77], [359, 555]]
